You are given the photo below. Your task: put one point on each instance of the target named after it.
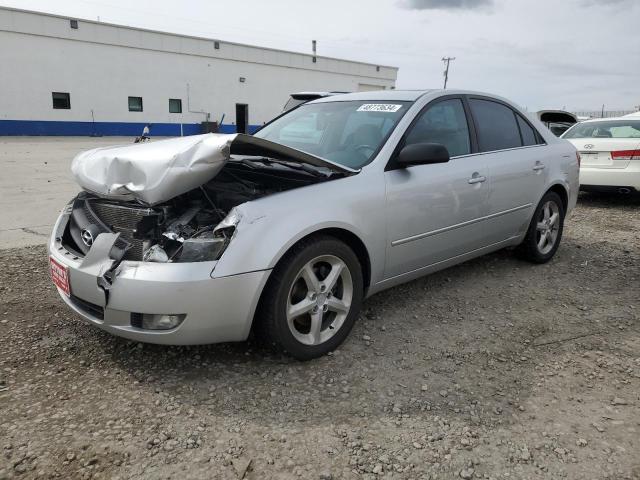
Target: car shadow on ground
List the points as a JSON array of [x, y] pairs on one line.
[[608, 200], [453, 341]]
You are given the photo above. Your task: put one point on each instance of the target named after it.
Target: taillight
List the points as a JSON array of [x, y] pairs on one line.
[[626, 155], [578, 157]]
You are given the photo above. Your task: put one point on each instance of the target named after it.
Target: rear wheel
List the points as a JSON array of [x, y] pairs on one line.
[[545, 230], [312, 299]]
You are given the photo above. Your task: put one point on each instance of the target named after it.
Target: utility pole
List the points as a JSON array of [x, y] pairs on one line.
[[446, 61]]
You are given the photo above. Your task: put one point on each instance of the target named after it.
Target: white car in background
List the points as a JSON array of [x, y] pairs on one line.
[[610, 152]]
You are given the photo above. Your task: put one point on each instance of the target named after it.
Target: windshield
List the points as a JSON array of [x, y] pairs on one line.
[[605, 129], [347, 133]]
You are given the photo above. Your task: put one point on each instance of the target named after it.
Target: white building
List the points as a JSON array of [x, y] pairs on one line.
[[65, 76]]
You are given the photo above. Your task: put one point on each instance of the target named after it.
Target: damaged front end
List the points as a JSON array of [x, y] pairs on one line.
[[174, 201], [188, 229], [134, 252]]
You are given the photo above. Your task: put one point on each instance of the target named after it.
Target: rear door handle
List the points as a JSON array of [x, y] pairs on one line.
[[538, 166], [477, 178]]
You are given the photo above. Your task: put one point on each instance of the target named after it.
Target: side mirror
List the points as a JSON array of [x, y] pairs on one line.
[[422, 154]]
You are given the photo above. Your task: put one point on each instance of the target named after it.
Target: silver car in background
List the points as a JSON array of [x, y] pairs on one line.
[[326, 205]]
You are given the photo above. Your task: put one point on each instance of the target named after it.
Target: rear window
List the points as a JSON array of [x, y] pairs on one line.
[[605, 129], [529, 136], [496, 125]]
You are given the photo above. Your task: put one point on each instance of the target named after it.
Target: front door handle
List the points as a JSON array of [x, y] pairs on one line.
[[538, 166], [477, 178]]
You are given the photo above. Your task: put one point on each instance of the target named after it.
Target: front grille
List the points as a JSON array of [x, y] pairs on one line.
[[126, 219], [123, 220], [89, 308]]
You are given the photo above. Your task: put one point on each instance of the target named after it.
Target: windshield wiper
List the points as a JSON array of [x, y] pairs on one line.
[[287, 163]]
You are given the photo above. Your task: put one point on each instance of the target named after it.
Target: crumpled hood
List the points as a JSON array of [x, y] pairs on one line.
[[155, 172]]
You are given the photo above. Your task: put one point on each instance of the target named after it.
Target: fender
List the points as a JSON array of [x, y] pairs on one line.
[[270, 226]]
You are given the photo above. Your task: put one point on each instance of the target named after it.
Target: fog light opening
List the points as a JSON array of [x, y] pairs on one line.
[[151, 321]]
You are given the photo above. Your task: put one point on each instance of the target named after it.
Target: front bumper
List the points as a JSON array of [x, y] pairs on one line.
[[612, 177], [217, 309]]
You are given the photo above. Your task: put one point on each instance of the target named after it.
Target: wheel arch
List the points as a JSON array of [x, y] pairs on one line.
[[352, 240], [562, 192], [557, 188]]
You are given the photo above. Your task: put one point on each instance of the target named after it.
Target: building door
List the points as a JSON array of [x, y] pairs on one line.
[[242, 117]]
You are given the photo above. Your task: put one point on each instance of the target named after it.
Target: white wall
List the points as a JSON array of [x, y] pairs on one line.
[[101, 65]]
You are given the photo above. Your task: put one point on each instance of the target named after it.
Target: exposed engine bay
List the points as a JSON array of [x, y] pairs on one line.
[[193, 227]]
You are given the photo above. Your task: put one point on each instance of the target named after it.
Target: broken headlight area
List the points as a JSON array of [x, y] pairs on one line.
[[185, 230], [185, 243]]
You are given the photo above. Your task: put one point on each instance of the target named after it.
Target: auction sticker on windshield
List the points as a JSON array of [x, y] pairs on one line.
[[379, 107]]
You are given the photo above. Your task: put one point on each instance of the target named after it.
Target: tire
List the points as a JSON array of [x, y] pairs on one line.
[[290, 310], [533, 248]]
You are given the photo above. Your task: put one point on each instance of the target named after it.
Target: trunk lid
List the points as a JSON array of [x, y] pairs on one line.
[[596, 152]]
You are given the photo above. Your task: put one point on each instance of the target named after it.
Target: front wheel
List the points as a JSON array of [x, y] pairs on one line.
[[312, 299], [545, 230]]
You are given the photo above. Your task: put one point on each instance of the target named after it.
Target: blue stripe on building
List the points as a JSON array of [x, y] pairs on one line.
[[99, 129]]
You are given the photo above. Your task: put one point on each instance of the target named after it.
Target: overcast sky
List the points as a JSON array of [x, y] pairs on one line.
[[577, 54]]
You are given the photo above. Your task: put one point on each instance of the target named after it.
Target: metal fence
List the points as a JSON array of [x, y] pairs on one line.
[[601, 114]]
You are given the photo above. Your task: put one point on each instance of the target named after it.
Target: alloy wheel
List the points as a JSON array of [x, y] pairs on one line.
[[319, 300], [548, 227]]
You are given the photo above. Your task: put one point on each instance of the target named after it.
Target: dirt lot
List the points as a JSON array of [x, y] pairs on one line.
[[493, 369]]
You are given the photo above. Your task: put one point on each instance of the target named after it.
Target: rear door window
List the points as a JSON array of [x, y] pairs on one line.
[[496, 125]]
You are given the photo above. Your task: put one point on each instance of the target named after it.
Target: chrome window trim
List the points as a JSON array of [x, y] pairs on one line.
[[420, 236]]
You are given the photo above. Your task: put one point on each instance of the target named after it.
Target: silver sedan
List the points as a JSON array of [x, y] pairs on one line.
[[205, 239]]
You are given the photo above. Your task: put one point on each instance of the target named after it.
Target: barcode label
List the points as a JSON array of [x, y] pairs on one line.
[[379, 107]]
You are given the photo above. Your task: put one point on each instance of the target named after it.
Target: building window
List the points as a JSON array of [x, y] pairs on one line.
[[73, 24], [61, 100], [216, 45], [135, 104], [175, 105]]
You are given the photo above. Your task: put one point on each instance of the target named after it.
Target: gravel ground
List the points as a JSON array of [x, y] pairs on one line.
[[492, 369]]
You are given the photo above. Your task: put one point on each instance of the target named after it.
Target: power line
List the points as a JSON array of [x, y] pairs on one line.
[[447, 60]]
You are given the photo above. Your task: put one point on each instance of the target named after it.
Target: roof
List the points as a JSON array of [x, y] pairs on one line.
[[378, 95]]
